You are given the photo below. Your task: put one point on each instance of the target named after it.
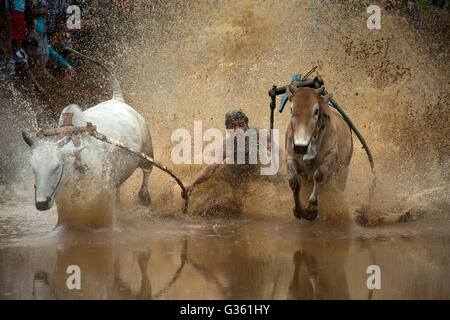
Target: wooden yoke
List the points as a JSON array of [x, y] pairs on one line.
[[66, 130]]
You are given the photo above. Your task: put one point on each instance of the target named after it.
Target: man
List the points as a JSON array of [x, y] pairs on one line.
[[54, 38], [16, 10], [23, 62], [40, 12], [236, 122]]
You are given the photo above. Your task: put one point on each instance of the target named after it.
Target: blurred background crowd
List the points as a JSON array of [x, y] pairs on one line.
[[33, 34]]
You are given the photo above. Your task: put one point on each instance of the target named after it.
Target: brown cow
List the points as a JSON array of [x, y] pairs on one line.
[[318, 144]]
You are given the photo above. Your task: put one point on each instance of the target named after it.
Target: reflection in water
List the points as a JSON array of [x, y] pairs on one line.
[[234, 259], [304, 284], [42, 289], [123, 289], [101, 278]]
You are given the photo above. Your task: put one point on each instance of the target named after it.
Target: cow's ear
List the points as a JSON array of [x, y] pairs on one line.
[[29, 141], [289, 92]]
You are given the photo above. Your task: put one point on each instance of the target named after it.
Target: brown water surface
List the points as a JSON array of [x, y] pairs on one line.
[[243, 257]]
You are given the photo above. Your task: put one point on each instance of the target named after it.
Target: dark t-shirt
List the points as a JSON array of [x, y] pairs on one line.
[[250, 153]]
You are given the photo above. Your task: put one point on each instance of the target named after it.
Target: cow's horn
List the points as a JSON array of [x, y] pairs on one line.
[[27, 139]]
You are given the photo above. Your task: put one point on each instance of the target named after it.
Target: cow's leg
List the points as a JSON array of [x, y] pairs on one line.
[[313, 202], [294, 183], [146, 286], [311, 267], [295, 286], [144, 195], [341, 203], [146, 166]]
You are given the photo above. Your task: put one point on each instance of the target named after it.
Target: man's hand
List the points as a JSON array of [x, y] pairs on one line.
[[72, 72], [185, 195]]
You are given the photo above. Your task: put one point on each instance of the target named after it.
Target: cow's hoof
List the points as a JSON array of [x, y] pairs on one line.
[[298, 213], [310, 213], [145, 199]]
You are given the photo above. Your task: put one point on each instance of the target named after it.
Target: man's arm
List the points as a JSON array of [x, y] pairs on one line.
[[53, 53], [30, 75], [204, 174], [201, 177]]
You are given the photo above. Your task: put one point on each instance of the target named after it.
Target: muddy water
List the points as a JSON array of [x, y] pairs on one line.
[[243, 257]]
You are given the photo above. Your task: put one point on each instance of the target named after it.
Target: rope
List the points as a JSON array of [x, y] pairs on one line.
[[104, 138], [353, 128]]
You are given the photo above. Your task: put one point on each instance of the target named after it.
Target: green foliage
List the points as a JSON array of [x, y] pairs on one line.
[[424, 5]]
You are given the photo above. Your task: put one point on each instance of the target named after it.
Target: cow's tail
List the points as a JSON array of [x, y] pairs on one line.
[[117, 91], [373, 185]]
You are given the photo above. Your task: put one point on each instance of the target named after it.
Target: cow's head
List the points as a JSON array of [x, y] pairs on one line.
[[47, 162], [306, 106]]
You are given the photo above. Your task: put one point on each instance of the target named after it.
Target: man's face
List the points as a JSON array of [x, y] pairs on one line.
[[31, 51], [238, 124]]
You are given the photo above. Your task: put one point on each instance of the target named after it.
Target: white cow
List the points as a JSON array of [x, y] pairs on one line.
[[85, 191]]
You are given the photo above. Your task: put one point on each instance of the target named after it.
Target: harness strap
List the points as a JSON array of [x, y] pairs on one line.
[[76, 143], [323, 116]]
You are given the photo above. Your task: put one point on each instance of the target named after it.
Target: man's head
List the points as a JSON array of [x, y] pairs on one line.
[[30, 46], [236, 119]]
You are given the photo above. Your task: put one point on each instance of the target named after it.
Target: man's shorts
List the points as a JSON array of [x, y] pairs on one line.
[[18, 25], [42, 49]]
